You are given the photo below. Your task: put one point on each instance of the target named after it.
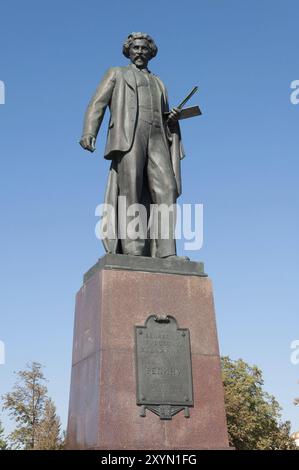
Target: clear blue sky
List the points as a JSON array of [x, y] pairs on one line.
[[242, 164]]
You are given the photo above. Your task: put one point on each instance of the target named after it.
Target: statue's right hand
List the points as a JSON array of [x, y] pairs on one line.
[[88, 142]]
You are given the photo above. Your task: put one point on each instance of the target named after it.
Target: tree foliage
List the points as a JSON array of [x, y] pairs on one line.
[[3, 443], [32, 411], [253, 416], [49, 427]]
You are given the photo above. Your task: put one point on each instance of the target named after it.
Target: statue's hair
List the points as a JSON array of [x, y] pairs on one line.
[[151, 43]]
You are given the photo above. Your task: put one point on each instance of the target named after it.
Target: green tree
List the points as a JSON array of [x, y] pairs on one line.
[[253, 416], [49, 428], [32, 410], [3, 443]]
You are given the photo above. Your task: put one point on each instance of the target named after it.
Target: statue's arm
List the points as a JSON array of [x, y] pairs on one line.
[[173, 114], [96, 109]]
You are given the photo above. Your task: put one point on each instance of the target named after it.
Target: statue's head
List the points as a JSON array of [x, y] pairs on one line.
[[140, 48]]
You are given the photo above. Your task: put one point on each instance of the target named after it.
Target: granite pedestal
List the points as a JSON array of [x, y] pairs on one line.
[[118, 293]]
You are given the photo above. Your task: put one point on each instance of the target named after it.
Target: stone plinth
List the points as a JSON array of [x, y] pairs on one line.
[[116, 296]]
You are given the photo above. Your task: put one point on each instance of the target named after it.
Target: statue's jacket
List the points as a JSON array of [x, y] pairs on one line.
[[118, 91]]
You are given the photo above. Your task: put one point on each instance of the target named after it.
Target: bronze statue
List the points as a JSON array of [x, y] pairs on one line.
[[143, 143]]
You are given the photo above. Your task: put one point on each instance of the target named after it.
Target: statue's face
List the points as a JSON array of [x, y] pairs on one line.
[[140, 53]]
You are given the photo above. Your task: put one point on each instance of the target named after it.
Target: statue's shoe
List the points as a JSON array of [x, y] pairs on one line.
[[177, 258]]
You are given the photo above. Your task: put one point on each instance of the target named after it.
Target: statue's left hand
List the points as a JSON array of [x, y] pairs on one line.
[[174, 114]]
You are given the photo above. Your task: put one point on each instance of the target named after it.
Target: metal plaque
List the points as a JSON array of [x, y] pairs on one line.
[[163, 367]]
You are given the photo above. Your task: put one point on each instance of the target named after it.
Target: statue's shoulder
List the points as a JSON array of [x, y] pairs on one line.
[[158, 78], [116, 71], [116, 68]]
